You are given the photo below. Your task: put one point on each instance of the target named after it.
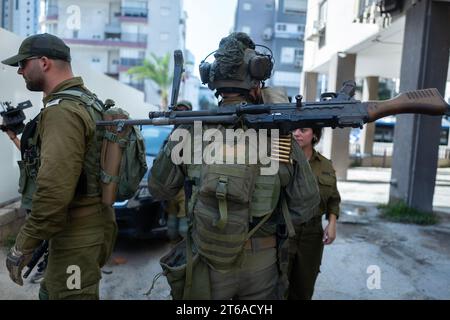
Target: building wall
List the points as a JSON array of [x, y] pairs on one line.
[[166, 34], [338, 22], [268, 23], [20, 16], [260, 29]]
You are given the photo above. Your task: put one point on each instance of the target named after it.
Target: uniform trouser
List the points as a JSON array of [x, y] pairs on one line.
[[255, 279], [305, 256], [76, 255]]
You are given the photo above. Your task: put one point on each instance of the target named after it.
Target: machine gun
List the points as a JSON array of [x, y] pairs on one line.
[[37, 254], [335, 110], [13, 117]]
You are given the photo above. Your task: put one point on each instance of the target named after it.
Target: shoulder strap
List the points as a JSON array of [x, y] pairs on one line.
[[78, 95]]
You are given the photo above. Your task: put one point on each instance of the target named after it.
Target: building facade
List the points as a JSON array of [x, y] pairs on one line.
[[20, 16], [406, 40], [116, 35], [279, 25]]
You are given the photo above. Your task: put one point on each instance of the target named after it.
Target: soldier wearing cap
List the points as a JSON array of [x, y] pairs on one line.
[[59, 179]]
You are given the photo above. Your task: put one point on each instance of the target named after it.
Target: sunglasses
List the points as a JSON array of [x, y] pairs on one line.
[[22, 64]]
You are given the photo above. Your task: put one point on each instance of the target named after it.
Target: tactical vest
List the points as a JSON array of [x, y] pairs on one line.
[[229, 203], [89, 181]]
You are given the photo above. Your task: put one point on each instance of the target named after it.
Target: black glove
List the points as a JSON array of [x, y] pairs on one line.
[[15, 262]]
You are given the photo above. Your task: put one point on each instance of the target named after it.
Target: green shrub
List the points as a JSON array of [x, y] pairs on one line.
[[400, 212]]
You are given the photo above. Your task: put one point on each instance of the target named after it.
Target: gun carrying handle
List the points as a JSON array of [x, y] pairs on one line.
[[426, 101]]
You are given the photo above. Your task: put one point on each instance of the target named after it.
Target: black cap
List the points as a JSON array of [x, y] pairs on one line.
[[40, 45]]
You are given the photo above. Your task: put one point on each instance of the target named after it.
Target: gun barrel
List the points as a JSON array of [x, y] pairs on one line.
[[224, 119], [37, 254]]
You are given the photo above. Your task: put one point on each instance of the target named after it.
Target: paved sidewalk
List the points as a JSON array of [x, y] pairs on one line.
[[370, 259]]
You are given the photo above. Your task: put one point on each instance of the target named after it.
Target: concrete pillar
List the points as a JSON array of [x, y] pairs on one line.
[[336, 141], [309, 88], [370, 92], [416, 141]]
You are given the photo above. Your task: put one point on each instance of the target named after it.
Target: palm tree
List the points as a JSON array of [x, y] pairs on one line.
[[157, 70]]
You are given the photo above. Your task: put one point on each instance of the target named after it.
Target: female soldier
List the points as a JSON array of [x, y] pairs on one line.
[[306, 248]]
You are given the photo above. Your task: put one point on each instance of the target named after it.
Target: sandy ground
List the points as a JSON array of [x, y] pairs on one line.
[[370, 259]]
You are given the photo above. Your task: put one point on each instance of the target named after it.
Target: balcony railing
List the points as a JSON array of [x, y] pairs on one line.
[[131, 62], [51, 12], [132, 14], [130, 40], [139, 86]]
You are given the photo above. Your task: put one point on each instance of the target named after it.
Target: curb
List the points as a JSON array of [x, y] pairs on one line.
[[12, 218]]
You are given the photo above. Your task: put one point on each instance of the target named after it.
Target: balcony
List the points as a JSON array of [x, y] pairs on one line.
[[125, 40], [113, 28], [139, 86], [127, 63], [132, 14], [51, 13]]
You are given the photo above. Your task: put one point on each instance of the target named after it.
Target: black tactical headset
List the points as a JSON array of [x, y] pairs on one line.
[[258, 67]]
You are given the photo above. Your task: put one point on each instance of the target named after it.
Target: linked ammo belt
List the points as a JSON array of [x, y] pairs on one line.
[[256, 244]]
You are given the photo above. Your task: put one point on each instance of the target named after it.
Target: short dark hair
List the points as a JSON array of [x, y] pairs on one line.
[[317, 132]]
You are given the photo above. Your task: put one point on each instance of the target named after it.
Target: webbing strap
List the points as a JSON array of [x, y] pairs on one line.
[[189, 267], [221, 195], [115, 138], [287, 216]]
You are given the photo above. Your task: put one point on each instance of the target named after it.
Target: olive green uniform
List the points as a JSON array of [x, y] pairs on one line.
[[176, 216], [306, 248], [255, 274], [61, 187]]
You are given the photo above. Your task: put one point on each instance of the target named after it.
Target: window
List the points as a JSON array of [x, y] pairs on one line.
[[95, 60], [287, 55], [165, 11], [281, 27], [322, 22], [75, 34], [246, 29], [443, 141], [286, 79], [323, 12], [298, 57], [164, 36], [268, 6], [247, 6]]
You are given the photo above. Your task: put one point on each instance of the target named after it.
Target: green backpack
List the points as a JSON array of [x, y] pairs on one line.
[[133, 166]]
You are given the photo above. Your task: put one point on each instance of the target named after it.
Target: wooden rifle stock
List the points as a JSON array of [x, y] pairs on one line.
[[426, 101]]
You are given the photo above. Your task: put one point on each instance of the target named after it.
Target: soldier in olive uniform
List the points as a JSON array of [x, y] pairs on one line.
[[306, 247], [237, 224], [60, 178]]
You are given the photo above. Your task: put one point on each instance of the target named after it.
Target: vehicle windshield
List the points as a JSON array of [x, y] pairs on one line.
[[154, 138]]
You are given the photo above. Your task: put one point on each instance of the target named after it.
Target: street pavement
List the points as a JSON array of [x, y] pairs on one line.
[[370, 259]]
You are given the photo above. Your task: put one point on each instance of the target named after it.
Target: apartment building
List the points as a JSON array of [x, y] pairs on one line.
[[116, 35], [20, 16], [279, 25]]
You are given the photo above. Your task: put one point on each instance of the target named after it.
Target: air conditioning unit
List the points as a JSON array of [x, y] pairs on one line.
[[297, 63], [318, 25], [267, 34]]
